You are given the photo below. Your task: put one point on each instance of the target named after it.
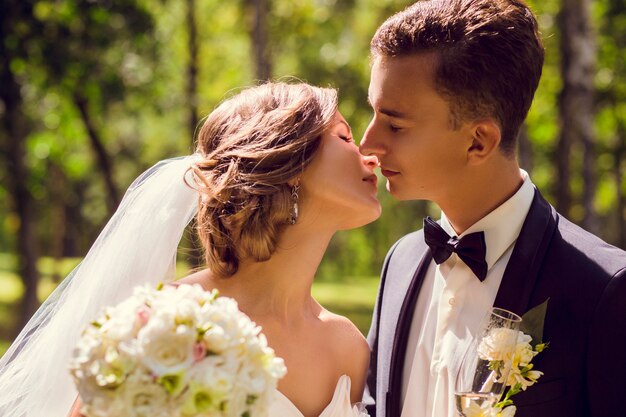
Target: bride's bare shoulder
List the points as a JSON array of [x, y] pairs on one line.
[[351, 349], [203, 278]]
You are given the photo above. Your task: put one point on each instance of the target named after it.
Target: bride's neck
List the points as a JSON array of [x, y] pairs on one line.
[[281, 287]]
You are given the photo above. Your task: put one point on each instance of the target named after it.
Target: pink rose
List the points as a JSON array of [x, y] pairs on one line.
[[199, 352], [143, 315]]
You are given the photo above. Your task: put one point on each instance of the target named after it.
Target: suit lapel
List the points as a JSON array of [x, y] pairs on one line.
[[402, 335], [514, 293], [530, 248]]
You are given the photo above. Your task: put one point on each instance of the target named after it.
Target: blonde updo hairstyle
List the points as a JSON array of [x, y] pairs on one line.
[[255, 145]]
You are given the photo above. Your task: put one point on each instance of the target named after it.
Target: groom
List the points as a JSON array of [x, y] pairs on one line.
[[451, 83]]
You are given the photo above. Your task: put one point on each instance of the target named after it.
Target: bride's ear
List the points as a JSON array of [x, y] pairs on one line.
[[294, 182], [486, 139]]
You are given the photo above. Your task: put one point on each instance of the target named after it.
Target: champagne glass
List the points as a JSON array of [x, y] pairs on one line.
[[483, 373]]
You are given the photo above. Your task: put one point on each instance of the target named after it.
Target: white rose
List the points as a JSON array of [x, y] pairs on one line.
[[123, 322], [166, 352], [214, 371], [178, 312], [211, 383], [103, 404], [88, 346], [111, 370], [498, 344], [144, 398], [277, 368], [162, 319], [215, 339], [151, 362]]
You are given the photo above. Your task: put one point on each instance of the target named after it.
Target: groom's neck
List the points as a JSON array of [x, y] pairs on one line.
[[482, 191]]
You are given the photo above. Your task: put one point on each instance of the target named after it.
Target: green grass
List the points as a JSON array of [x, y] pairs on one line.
[[12, 289], [352, 297]]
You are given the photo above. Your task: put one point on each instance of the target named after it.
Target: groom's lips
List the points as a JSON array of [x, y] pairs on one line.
[[388, 173]]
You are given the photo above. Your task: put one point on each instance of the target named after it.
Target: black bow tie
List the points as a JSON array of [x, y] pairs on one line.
[[471, 248]]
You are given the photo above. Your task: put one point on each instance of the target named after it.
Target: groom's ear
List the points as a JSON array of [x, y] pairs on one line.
[[486, 138]]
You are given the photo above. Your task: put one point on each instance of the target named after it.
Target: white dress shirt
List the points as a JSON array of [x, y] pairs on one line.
[[451, 307]]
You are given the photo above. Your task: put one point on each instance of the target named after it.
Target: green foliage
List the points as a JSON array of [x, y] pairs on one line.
[[533, 322], [128, 59], [353, 297]]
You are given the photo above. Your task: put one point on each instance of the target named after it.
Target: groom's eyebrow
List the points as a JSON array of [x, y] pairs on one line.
[[389, 112]]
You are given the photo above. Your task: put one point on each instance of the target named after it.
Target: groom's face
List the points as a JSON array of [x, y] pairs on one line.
[[421, 154]]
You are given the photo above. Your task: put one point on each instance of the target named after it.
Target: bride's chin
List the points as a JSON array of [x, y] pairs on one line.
[[363, 217]]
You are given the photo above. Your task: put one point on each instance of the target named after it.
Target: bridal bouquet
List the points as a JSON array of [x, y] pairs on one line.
[[175, 352]]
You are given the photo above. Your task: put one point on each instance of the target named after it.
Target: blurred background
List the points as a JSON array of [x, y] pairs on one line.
[[93, 92]]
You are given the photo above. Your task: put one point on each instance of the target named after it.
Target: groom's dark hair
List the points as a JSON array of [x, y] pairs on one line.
[[489, 56]]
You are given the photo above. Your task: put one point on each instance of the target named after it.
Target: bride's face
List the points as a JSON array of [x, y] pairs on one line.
[[339, 185]]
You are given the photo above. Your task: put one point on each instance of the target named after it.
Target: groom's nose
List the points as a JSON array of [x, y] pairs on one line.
[[371, 143]]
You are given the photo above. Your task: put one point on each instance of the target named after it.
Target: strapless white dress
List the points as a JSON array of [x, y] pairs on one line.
[[339, 406]]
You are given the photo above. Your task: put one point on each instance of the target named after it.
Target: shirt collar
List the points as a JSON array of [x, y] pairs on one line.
[[502, 225]]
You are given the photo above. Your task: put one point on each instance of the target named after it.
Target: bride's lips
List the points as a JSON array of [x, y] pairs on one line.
[[372, 179], [388, 173]]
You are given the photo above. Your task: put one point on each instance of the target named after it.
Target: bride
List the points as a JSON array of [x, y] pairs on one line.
[[275, 175]]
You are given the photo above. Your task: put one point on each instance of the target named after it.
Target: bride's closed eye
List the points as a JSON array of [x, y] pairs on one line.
[[345, 138]]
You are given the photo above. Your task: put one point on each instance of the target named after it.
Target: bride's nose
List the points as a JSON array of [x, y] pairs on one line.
[[371, 161]]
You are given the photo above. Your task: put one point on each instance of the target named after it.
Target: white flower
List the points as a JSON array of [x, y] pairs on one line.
[[104, 404], [497, 344], [175, 352], [525, 379], [166, 352], [524, 354], [508, 411], [521, 368], [215, 339], [484, 410], [142, 398], [122, 324]]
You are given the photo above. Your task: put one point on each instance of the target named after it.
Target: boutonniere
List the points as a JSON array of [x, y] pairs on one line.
[[522, 374]]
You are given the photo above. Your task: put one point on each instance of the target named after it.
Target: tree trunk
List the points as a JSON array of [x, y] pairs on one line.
[[618, 155], [104, 161], [195, 256], [79, 233], [192, 70], [57, 218], [14, 137], [576, 105], [259, 34]]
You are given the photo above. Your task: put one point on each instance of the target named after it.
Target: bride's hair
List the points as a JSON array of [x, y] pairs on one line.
[[254, 147]]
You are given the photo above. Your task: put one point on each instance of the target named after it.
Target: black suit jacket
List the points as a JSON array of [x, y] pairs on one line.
[[585, 279]]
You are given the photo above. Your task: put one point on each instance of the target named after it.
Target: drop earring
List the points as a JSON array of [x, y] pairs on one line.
[[293, 215]]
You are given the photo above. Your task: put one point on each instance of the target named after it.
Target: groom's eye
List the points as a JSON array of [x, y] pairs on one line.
[[394, 128]]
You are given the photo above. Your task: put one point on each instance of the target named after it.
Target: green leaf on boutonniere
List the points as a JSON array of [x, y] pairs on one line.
[[533, 320]]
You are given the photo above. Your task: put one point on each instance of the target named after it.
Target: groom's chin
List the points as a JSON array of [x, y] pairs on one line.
[[398, 192], [402, 194]]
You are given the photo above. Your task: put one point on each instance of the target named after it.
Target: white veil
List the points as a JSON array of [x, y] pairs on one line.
[[137, 246]]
